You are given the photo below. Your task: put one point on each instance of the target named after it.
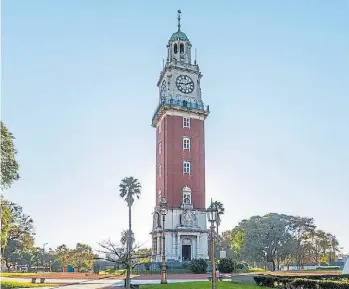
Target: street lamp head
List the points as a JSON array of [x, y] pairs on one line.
[[163, 211], [163, 206], [212, 213]]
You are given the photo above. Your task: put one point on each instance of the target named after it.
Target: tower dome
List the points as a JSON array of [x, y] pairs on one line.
[[179, 35]]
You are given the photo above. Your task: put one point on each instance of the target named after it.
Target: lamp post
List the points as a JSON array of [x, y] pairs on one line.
[[43, 256], [163, 212], [212, 217]]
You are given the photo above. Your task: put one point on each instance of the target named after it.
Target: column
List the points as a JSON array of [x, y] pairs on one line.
[[179, 247], [198, 247], [173, 253], [204, 246], [159, 246]]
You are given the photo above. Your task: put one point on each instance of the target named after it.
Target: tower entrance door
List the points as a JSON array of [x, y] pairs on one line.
[[186, 252]]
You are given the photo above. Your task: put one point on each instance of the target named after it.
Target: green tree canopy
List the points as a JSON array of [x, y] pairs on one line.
[[9, 164], [20, 233], [281, 239]]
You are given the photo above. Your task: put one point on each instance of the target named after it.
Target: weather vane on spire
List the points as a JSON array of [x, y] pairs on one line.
[[179, 20]]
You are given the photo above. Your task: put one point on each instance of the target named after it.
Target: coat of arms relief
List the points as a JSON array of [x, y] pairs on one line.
[[188, 219]]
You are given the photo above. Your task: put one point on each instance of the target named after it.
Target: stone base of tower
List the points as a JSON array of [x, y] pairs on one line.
[[186, 236]]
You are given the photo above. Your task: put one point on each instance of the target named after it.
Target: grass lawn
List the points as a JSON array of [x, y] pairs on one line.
[[14, 284], [200, 285]]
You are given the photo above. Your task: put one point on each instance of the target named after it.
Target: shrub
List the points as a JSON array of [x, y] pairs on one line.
[[291, 282], [226, 265], [304, 283], [185, 265], [333, 285], [241, 266], [255, 270], [266, 281], [328, 268], [198, 266]]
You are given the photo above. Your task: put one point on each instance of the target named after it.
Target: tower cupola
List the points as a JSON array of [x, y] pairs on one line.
[[179, 46]]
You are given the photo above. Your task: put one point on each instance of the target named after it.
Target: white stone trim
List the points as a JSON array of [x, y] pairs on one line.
[[173, 112]]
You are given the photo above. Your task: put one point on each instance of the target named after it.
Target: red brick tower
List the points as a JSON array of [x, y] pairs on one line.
[[180, 154]]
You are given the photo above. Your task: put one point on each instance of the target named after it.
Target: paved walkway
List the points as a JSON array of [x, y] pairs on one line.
[[112, 283], [75, 284]]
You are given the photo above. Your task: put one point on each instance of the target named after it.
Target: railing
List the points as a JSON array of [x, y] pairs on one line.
[[178, 103]]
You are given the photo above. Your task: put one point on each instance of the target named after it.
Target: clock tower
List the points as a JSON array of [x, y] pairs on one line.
[[180, 155]]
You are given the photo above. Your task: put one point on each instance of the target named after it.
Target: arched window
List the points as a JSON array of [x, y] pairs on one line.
[[186, 195], [175, 48], [181, 48]]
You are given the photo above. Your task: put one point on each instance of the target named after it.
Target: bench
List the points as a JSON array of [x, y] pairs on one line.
[[220, 277], [42, 280]]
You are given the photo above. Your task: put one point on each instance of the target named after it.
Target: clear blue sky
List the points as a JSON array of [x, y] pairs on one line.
[[79, 91]]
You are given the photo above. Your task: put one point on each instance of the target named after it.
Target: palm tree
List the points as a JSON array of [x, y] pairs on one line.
[[220, 211], [124, 237], [129, 189]]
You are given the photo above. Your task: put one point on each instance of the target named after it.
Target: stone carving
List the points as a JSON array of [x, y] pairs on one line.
[[156, 221], [188, 219]]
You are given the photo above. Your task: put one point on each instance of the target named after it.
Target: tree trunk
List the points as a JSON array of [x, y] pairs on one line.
[[8, 265], [273, 263], [129, 247]]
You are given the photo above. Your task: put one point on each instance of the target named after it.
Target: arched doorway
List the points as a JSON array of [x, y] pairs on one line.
[[186, 249]]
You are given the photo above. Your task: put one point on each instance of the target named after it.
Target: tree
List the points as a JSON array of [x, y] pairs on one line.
[[129, 189], [121, 254], [279, 239], [220, 211], [225, 240], [20, 233], [11, 253], [82, 257], [144, 255], [5, 221], [27, 258], [124, 237], [301, 229], [9, 165], [64, 255]]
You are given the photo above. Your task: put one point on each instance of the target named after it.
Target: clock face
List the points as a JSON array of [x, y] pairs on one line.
[[163, 88], [185, 84]]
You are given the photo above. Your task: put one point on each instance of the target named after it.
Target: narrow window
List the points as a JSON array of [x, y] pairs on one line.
[[186, 143], [186, 195], [175, 48], [181, 48], [159, 171], [160, 148], [186, 122], [186, 167]]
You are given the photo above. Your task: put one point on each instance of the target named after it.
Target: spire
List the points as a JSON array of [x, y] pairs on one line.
[[179, 20]]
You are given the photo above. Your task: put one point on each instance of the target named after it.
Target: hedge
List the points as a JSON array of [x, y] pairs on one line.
[[299, 283], [5, 284], [314, 277]]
